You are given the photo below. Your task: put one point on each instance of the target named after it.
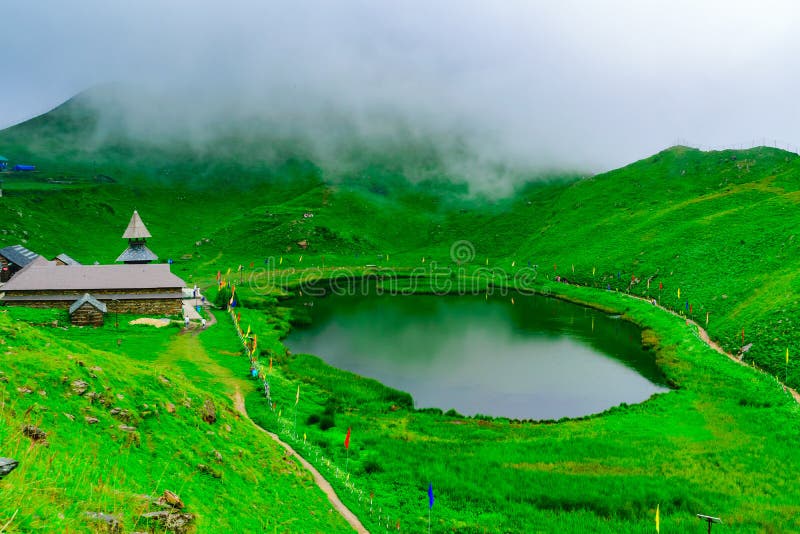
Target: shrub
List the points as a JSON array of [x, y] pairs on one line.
[[326, 421]]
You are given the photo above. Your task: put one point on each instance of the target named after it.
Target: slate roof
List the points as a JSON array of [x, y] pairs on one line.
[[18, 255], [91, 300], [136, 228], [66, 259], [51, 277], [137, 252]]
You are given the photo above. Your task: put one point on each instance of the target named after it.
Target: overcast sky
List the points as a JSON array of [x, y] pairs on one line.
[[586, 84]]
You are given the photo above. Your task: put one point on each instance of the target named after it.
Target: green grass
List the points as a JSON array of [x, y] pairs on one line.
[[721, 226], [722, 445], [103, 468]]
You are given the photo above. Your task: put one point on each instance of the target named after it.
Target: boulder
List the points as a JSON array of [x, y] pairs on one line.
[[126, 428], [177, 522], [209, 411], [91, 420], [7, 465], [170, 407], [111, 522], [171, 499]]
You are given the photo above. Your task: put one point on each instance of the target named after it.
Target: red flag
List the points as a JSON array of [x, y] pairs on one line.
[[660, 286], [742, 335], [219, 275], [252, 264], [347, 439]]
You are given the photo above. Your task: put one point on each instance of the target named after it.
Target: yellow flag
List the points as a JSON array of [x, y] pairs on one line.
[[679, 292], [301, 259], [248, 331], [487, 261], [229, 272], [513, 263], [270, 365], [304, 437], [573, 267], [593, 269], [423, 259], [281, 261], [512, 300], [280, 412], [297, 397], [658, 522]]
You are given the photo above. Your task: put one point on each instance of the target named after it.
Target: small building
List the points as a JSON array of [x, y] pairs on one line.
[[63, 259], [3, 163], [136, 233], [87, 311], [24, 168], [139, 289], [12, 259]]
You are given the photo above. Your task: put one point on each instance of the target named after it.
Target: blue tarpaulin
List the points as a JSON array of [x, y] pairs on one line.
[[24, 167]]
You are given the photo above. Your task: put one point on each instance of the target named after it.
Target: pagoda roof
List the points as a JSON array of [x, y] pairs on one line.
[[136, 228], [137, 252]]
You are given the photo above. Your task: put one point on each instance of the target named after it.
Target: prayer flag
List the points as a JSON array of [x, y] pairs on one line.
[[347, 439], [658, 522], [270, 365], [297, 397], [430, 495]]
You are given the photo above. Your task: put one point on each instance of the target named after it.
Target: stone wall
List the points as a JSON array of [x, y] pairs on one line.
[[87, 315], [137, 307]]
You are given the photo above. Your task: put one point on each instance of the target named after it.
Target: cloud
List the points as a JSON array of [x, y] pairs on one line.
[[523, 85]]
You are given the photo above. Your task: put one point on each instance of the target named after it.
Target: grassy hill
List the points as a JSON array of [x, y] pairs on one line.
[[135, 430], [718, 226]]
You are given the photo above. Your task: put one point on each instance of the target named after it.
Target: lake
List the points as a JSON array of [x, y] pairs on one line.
[[536, 358]]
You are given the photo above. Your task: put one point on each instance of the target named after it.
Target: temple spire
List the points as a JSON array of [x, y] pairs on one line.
[[136, 233], [136, 228]]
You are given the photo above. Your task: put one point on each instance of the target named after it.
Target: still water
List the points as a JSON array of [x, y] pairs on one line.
[[538, 358]]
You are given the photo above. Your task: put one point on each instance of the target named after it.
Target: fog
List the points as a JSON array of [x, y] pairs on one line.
[[577, 85]]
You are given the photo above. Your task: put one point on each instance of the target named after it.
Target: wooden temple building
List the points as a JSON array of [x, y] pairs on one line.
[[137, 286]]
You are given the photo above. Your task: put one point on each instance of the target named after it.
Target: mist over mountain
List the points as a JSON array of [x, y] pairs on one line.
[[485, 92]]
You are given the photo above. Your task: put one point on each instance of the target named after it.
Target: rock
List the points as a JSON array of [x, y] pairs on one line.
[[42, 392], [7, 465], [25, 390], [119, 413], [97, 368], [178, 522], [164, 380], [170, 407], [172, 499], [79, 387], [91, 420], [34, 432], [120, 396], [126, 428], [209, 411], [203, 468], [112, 523], [217, 456], [169, 520], [68, 416]]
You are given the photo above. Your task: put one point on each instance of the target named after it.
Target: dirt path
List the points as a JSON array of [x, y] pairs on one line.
[[701, 332], [323, 484], [189, 347]]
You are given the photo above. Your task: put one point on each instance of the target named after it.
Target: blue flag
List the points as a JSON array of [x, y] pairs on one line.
[[687, 305], [430, 495]]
